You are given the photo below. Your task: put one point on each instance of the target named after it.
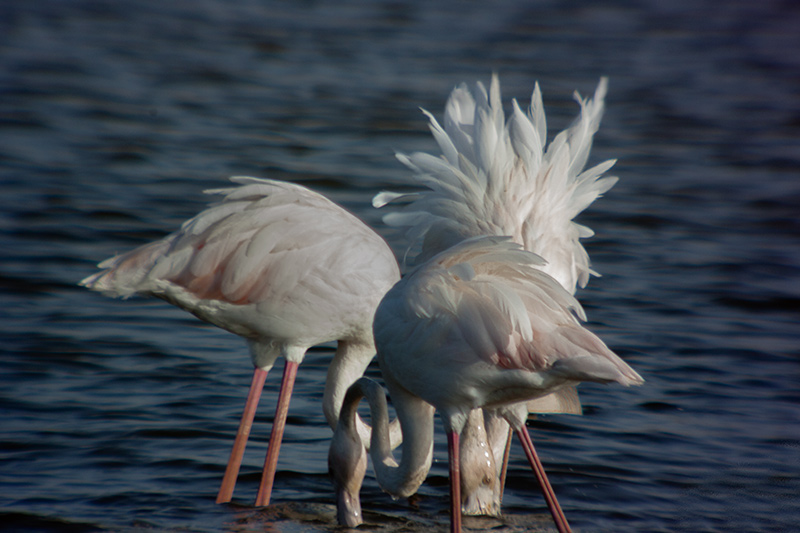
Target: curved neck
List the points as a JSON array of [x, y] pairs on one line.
[[348, 364], [416, 420]]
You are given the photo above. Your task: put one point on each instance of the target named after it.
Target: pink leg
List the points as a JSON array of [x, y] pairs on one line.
[[235, 461], [533, 458], [455, 482], [271, 462]]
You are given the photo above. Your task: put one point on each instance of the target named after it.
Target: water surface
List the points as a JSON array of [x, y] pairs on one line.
[[115, 116]]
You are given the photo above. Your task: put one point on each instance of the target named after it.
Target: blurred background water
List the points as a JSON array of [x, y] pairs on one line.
[[115, 116]]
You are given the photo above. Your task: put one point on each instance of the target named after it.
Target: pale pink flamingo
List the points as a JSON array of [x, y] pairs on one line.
[[281, 266], [498, 177], [477, 326]]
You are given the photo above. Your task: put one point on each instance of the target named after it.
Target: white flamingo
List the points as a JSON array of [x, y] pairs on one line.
[[498, 177], [281, 266], [477, 326]]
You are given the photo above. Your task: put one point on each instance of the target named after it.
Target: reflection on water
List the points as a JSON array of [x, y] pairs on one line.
[[115, 116]]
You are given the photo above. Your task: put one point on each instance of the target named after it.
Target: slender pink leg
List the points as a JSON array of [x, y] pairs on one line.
[[235, 461], [271, 462], [533, 458], [455, 482]]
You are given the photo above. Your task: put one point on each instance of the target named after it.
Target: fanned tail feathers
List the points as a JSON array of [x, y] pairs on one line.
[[498, 177]]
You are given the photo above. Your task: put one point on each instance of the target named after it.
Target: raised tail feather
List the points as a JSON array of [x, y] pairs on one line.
[[498, 177]]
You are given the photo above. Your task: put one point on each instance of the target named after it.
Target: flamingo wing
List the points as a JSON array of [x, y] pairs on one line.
[[273, 246], [486, 301]]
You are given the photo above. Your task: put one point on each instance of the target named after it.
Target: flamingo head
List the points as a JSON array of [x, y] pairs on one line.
[[347, 466]]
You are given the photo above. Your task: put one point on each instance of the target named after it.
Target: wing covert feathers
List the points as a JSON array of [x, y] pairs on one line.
[[234, 250], [503, 309]]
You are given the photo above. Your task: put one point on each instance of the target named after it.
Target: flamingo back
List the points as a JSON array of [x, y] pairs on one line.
[[484, 311], [269, 260]]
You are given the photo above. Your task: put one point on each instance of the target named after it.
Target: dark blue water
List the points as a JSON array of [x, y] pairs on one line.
[[114, 116]]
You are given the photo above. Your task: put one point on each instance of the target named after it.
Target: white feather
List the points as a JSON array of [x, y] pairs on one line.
[[501, 178]]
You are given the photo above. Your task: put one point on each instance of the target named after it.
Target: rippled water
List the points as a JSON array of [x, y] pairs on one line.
[[114, 116]]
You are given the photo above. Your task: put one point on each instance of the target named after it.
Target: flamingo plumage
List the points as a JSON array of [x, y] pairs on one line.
[[479, 325], [281, 266], [500, 177]]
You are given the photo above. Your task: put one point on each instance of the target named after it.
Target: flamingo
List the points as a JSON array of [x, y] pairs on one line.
[[281, 266], [498, 177], [479, 325]]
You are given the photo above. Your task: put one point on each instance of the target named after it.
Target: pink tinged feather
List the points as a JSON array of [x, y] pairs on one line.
[[122, 274]]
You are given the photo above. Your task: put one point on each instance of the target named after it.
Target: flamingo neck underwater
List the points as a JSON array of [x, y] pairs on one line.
[[347, 453]]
